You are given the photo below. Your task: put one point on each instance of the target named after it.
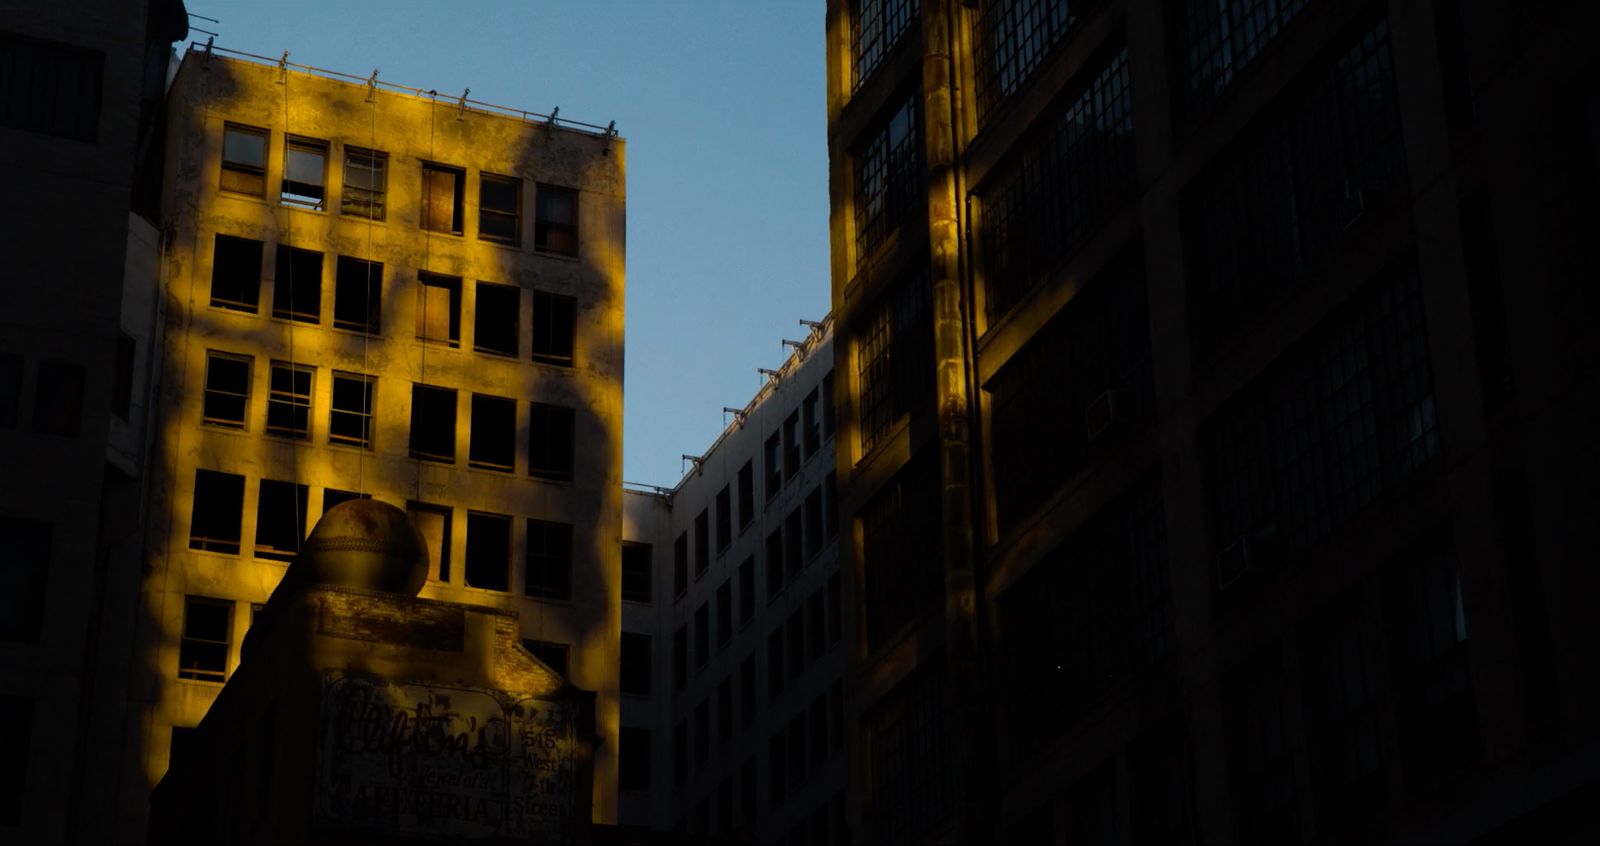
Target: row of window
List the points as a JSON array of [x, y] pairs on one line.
[[825, 825], [305, 185], [297, 284], [57, 394], [812, 628], [805, 743]]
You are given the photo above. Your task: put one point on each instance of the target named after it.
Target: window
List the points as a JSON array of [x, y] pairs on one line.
[[901, 552], [1343, 720], [214, 524], [441, 197], [633, 758], [774, 468], [793, 558], [236, 274], [747, 494], [1259, 756], [1010, 40], [227, 390], [350, 414], [819, 729], [122, 377], [777, 770], [827, 405], [1431, 660], [16, 734], [725, 710], [702, 635], [500, 208], [297, 285], [26, 570], [775, 674], [812, 430], [908, 782], [835, 608], [876, 26], [791, 445], [207, 638], [280, 519], [50, 88], [439, 309], [433, 424], [747, 590], [796, 632], [358, 295], [488, 551], [747, 689], [332, 497], [774, 563], [433, 521], [550, 442], [10, 389], [894, 359], [836, 707], [556, 656], [813, 508], [725, 612], [680, 756], [724, 519], [680, 564], [1223, 37], [549, 573], [554, 328], [637, 659], [680, 657], [637, 572], [555, 226], [797, 753], [830, 506], [494, 324], [702, 740], [888, 172], [244, 160], [305, 173], [366, 181], [702, 543], [493, 436], [749, 797], [289, 400], [815, 626], [1161, 787], [58, 398]]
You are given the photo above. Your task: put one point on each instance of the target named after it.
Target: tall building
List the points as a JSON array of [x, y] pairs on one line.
[[81, 89], [732, 711], [1216, 383], [371, 290]]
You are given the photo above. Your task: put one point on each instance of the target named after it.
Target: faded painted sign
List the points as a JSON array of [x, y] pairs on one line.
[[447, 762]]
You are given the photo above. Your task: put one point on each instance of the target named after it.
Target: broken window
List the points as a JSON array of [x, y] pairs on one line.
[[441, 197], [350, 415], [305, 173], [637, 572], [207, 638], [58, 397], [236, 274], [366, 180], [555, 226], [550, 442], [494, 324], [280, 519], [289, 400], [433, 521], [488, 551], [358, 295], [493, 437], [439, 309], [554, 655], [297, 286], [500, 208], [549, 560], [554, 328], [218, 512], [244, 159], [433, 423], [636, 662]]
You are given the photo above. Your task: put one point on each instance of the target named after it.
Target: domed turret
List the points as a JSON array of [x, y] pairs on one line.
[[364, 543]]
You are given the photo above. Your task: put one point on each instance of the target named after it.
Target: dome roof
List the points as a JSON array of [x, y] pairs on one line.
[[364, 543]]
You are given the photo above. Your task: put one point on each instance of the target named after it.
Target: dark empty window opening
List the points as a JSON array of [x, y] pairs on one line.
[[494, 319], [494, 433], [555, 655], [488, 551], [244, 159], [814, 522], [26, 569], [774, 563], [16, 735], [793, 553], [680, 564], [774, 663], [791, 445], [725, 612], [549, 574], [500, 208], [280, 519], [10, 389], [289, 400], [724, 518], [218, 512], [554, 328], [633, 758], [774, 469], [439, 309], [702, 635], [680, 656], [433, 521], [358, 295], [433, 424], [207, 639], [236, 274], [441, 197], [366, 181], [350, 416], [58, 398], [297, 285], [702, 543], [747, 494], [811, 427], [636, 572], [827, 405], [53, 89], [122, 377], [550, 441], [747, 590], [636, 664], [555, 228], [305, 173]]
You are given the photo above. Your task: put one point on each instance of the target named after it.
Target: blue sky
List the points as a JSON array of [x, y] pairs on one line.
[[721, 102]]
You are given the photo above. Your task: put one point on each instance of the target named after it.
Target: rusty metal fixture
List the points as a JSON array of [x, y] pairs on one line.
[[364, 543]]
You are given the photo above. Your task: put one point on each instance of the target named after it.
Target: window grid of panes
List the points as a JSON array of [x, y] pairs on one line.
[[1065, 181], [888, 175], [876, 27], [909, 777], [1224, 36], [894, 355], [1262, 762], [901, 550], [1011, 38]]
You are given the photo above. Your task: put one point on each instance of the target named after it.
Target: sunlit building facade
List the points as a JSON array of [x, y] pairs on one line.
[[378, 291], [1214, 386]]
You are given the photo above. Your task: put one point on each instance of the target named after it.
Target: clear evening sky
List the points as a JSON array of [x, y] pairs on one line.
[[721, 103]]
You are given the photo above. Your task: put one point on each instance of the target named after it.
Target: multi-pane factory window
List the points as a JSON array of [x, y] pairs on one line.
[[442, 189], [551, 435], [637, 660], [488, 551], [556, 656], [244, 159], [27, 571], [1429, 655], [50, 88], [236, 274], [500, 208], [1223, 37], [637, 572], [433, 424], [433, 521], [888, 171], [1011, 38], [549, 571], [702, 542], [1073, 388], [747, 590], [366, 183], [494, 318], [1344, 713], [1069, 175], [1266, 804], [555, 224], [875, 27], [1340, 420], [280, 519], [901, 550], [358, 295], [218, 512], [633, 758], [227, 390], [554, 327], [305, 173], [439, 309], [680, 564], [350, 414], [747, 493], [297, 285], [1276, 207], [908, 773], [1089, 615], [894, 358], [207, 638], [493, 434]]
